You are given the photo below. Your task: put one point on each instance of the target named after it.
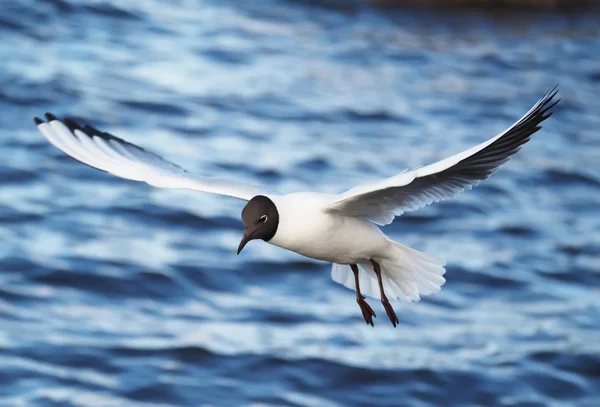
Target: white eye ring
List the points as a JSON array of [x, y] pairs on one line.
[[263, 218]]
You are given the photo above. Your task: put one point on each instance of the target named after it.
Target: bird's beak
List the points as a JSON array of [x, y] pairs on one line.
[[245, 240]]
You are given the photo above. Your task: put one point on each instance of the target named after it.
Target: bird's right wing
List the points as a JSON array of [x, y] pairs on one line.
[[108, 153]]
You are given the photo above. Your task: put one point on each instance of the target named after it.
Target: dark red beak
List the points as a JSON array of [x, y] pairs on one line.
[[244, 242]]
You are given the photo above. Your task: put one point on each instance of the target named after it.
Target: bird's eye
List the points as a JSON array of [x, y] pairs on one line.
[[263, 218]]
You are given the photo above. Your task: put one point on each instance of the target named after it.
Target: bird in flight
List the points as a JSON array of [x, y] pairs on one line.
[[337, 228]]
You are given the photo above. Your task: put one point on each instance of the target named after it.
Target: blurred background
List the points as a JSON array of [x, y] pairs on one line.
[[113, 293]]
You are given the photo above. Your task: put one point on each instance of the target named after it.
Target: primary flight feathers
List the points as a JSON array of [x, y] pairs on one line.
[[379, 201]]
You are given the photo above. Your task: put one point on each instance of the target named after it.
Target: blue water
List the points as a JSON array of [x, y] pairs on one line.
[[113, 293]]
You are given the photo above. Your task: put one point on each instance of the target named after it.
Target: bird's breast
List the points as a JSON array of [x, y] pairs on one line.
[[306, 229]]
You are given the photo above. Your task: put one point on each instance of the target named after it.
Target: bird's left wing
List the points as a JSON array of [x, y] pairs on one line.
[[382, 200], [108, 153]]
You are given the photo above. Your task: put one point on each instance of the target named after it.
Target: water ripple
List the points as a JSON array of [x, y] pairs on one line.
[[115, 293]]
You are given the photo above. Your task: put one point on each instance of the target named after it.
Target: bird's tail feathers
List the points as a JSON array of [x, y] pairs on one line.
[[407, 274]]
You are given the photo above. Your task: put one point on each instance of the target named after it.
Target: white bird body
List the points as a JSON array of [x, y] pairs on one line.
[[305, 228], [336, 228]]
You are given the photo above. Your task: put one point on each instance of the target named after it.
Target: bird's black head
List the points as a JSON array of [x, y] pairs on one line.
[[260, 219]]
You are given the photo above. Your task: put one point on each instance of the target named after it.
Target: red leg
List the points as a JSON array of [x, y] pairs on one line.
[[386, 304], [366, 309]]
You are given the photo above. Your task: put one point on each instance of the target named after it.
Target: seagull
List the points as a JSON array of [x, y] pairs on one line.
[[342, 229]]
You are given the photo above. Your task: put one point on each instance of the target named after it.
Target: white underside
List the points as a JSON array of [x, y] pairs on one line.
[[407, 274], [304, 228]]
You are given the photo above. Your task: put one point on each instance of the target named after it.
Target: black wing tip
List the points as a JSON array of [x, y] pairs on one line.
[[546, 115], [550, 106], [549, 96], [92, 131], [551, 93], [543, 108], [50, 117], [72, 124]]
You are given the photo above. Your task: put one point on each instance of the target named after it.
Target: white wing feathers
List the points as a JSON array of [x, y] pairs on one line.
[[382, 200], [111, 154]]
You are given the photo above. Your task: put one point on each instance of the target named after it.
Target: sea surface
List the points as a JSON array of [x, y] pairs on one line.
[[114, 293]]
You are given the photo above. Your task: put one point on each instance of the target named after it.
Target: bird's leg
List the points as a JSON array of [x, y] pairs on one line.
[[366, 309], [386, 304]]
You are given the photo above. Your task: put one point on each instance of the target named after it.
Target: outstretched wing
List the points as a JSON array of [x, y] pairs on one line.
[[116, 156], [382, 200]]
